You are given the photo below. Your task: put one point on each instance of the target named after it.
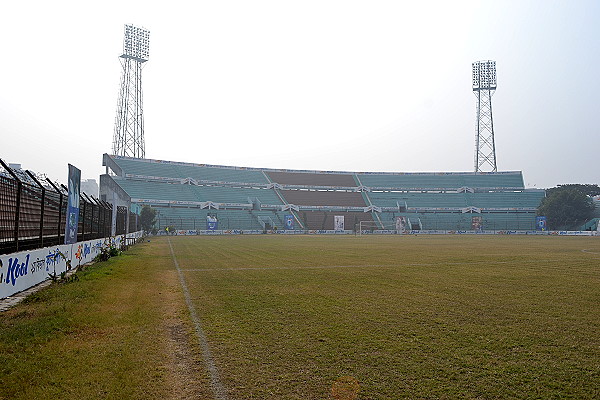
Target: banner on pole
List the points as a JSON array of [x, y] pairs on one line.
[[540, 223], [477, 223], [289, 222], [212, 223], [338, 222], [73, 205], [401, 224]]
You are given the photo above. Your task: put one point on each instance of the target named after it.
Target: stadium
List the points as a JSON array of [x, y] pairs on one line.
[[244, 198], [274, 283], [195, 198]]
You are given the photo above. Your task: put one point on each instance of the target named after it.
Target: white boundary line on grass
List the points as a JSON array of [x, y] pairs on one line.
[[215, 379]]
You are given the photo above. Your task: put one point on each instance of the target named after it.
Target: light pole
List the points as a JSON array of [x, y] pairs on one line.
[[484, 86], [128, 139]]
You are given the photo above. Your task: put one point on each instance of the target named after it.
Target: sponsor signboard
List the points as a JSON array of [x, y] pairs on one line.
[[22, 270], [338, 222], [289, 222], [477, 223], [73, 205], [401, 224], [212, 223], [540, 223], [186, 232]]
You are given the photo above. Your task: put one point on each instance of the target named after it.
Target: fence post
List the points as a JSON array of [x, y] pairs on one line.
[[18, 207], [108, 219], [98, 208], [103, 210], [18, 212], [86, 199], [60, 204], [99, 204], [83, 224], [42, 206], [101, 217], [93, 206]]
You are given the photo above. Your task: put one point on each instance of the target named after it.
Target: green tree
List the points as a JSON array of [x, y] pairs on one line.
[[147, 217], [567, 206], [590, 190]]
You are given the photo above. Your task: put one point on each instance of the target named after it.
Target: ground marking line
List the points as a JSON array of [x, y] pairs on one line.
[[215, 379], [348, 266], [276, 268], [590, 252]]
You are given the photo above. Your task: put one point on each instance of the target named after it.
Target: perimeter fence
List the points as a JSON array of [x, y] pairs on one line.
[[33, 215]]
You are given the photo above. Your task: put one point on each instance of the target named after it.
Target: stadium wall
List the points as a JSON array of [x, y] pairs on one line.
[[22, 270], [193, 232]]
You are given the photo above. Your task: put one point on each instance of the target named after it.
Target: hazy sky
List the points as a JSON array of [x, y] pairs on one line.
[[330, 85]]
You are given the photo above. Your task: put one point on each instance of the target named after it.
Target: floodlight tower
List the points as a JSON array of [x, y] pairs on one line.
[[129, 123], [484, 87]]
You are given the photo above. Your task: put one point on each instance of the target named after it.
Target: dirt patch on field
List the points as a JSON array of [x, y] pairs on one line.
[[186, 374]]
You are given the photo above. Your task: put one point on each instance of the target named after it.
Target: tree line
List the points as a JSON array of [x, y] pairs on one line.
[[567, 207]]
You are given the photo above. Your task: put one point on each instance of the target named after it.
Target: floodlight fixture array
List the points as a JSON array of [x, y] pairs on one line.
[[484, 86], [136, 43], [484, 75]]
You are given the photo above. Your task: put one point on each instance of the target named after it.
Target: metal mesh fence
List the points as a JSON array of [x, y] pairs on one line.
[[33, 216]]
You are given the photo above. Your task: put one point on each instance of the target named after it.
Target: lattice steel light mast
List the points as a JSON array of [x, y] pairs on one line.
[[129, 123], [484, 86]]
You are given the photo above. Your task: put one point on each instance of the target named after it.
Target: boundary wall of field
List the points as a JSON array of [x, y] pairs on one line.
[[22, 270], [497, 232], [380, 232]]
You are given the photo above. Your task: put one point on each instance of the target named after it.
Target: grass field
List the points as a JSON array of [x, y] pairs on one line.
[[481, 317]]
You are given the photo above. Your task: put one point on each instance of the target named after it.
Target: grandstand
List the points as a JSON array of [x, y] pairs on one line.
[[185, 194]]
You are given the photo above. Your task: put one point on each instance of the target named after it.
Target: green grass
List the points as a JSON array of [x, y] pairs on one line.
[[407, 317], [416, 317], [101, 337]]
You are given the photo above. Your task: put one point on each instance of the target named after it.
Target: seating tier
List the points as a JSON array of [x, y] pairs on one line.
[[323, 198], [156, 168], [299, 178], [443, 180]]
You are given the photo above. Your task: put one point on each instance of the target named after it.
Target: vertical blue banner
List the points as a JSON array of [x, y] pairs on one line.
[[289, 222], [73, 205], [540, 223], [212, 223]]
